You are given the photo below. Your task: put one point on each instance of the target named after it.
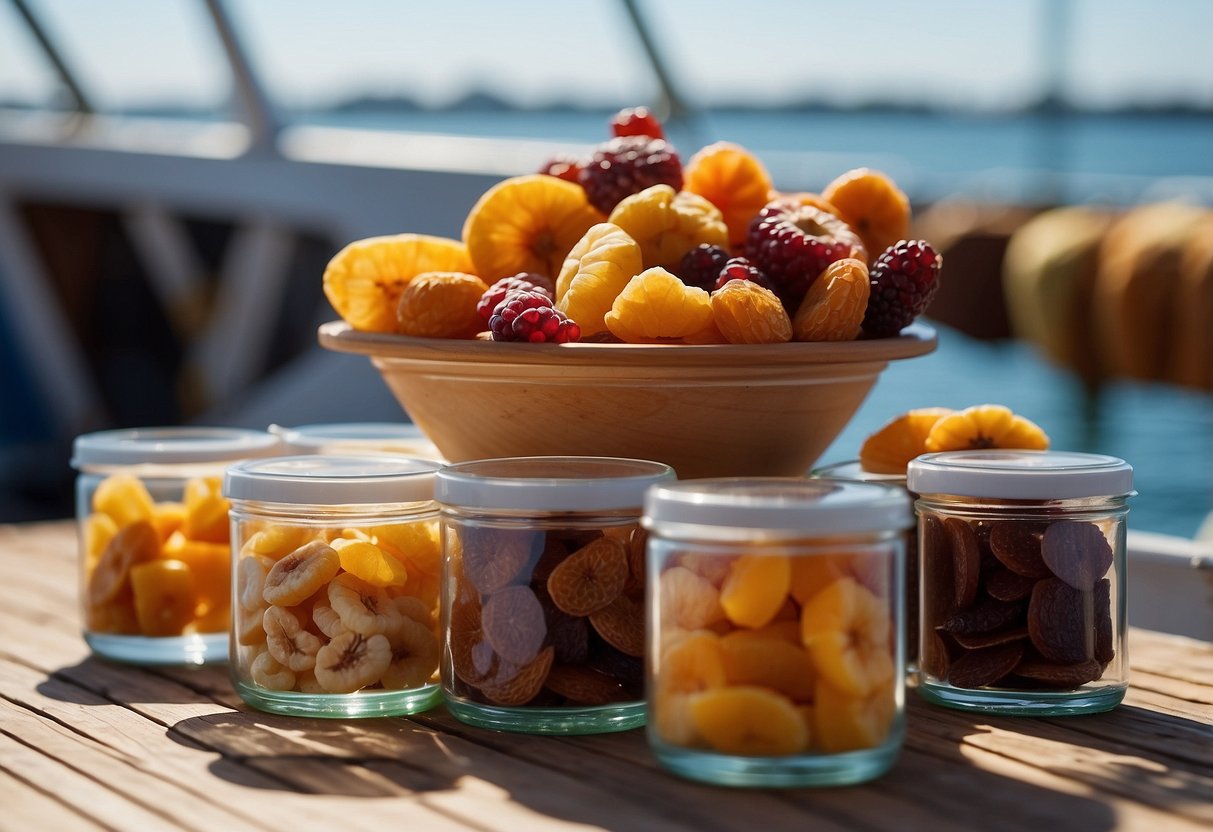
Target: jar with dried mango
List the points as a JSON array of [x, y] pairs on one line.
[[336, 581], [776, 643], [155, 562], [543, 608]]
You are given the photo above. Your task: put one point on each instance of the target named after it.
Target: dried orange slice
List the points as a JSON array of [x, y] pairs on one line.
[[985, 426], [656, 305], [597, 268], [749, 721], [590, 578], [755, 589], [846, 630], [668, 223], [890, 449], [526, 224], [621, 625], [733, 180], [870, 202]]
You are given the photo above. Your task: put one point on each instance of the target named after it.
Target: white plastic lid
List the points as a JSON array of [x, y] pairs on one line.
[[549, 483], [318, 479], [1021, 475], [359, 433], [777, 507], [169, 445]]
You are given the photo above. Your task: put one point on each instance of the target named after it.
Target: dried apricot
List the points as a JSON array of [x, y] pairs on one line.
[[364, 280], [274, 541], [597, 268], [870, 202], [441, 305], [844, 722], [901, 439], [757, 657], [513, 623], [691, 664], [418, 544], [746, 313], [590, 578], [755, 589], [749, 721], [657, 305], [370, 563], [666, 224], [846, 630], [734, 180], [688, 601], [125, 498], [834, 306], [985, 426], [165, 597]]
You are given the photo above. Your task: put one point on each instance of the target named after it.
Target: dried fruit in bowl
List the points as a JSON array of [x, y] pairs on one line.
[[666, 223], [747, 313], [364, 280], [526, 224], [872, 204], [656, 305], [597, 268], [835, 304], [441, 305], [733, 180]]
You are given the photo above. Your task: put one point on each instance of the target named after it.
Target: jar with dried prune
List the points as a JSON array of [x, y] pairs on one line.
[[543, 602], [154, 554], [1022, 573], [777, 651], [335, 584]]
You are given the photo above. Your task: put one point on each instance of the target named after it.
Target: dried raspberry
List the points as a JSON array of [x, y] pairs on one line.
[[701, 266], [529, 316], [563, 167], [627, 165], [636, 121], [523, 281], [793, 243], [904, 280], [739, 268]]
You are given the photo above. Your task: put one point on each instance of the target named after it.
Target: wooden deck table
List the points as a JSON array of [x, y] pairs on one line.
[[86, 744]]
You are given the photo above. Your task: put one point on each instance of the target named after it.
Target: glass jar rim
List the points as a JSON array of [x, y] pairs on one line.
[[1021, 474], [323, 479], [169, 445], [549, 483]]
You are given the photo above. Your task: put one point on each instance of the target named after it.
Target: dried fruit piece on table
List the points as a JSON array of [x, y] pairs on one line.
[[746, 313], [765, 659], [590, 578], [370, 563], [666, 223], [165, 596], [1077, 552], [755, 589], [269, 673], [627, 165], [843, 722], [512, 686], [134, 544], [872, 204], [415, 653], [492, 557], [441, 305], [792, 244], [299, 574], [597, 268], [288, 642], [688, 601], [734, 180], [1059, 622], [621, 625], [834, 306], [986, 665], [526, 224], [363, 607], [749, 721], [966, 561], [364, 280], [847, 632], [1017, 544], [656, 305], [904, 281], [124, 498], [352, 661], [901, 439], [584, 685], [985, 426], [512, 621]]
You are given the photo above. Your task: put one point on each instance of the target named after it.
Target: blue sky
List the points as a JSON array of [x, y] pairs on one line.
[[312, 52]]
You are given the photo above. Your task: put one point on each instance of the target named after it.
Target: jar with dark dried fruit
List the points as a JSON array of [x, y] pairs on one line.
[[1022, 567], [543, 609]]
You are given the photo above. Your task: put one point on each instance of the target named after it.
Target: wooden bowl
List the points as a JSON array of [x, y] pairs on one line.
[[713, 410]]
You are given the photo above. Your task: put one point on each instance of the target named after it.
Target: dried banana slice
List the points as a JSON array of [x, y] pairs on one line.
[[250, 581], [414, 656], [328, 621], [133, 544], [301, 573], [269, 673], [287, 641], [363, 608], [352, 661]]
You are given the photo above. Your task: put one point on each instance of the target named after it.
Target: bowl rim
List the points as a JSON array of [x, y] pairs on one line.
[[915, 340]]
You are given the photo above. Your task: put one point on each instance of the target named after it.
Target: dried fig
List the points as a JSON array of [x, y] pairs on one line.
[[1059, 622], [986, 617], [1077, 552], [976, 641], [1059, 676], [979, 668], [1105, 651], [966, 561], [1005, 585], [1017, 544]]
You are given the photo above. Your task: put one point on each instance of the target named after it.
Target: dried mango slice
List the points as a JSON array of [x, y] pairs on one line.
[[288, 642], [206, 510], [124, 498], [755, 589], [526, 224], [211, 566], [370, 563], [656, 305], [295, 577], [168, 516], [363, 607], [734, 180], [667, 223], [901, 439], [352, 661], [134, 544], [985, 426], [844, 722], [749, 721], [364, 280], [846, 630], [441, 305], [597, 268], [165, 597]]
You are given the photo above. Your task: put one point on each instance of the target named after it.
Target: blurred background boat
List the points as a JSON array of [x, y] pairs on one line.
[[174, 176]]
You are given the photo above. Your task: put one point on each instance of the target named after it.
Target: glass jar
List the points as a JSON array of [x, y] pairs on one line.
[[353, 438], [776, 630], [1022, 575], [543, 609], [853, 470], [155, 563], [336, 580]]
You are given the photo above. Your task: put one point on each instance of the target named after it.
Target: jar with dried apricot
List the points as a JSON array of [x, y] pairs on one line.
[[1022, 564], [335, 584], [776, 643], [543, 602], [155, 563]]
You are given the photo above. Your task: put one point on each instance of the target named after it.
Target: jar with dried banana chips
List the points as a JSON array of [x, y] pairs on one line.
[[543, 611], [155, 563], [1022, 569], [336, 583]]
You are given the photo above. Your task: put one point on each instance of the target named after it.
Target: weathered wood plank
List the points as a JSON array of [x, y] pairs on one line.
[[26, 806]]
